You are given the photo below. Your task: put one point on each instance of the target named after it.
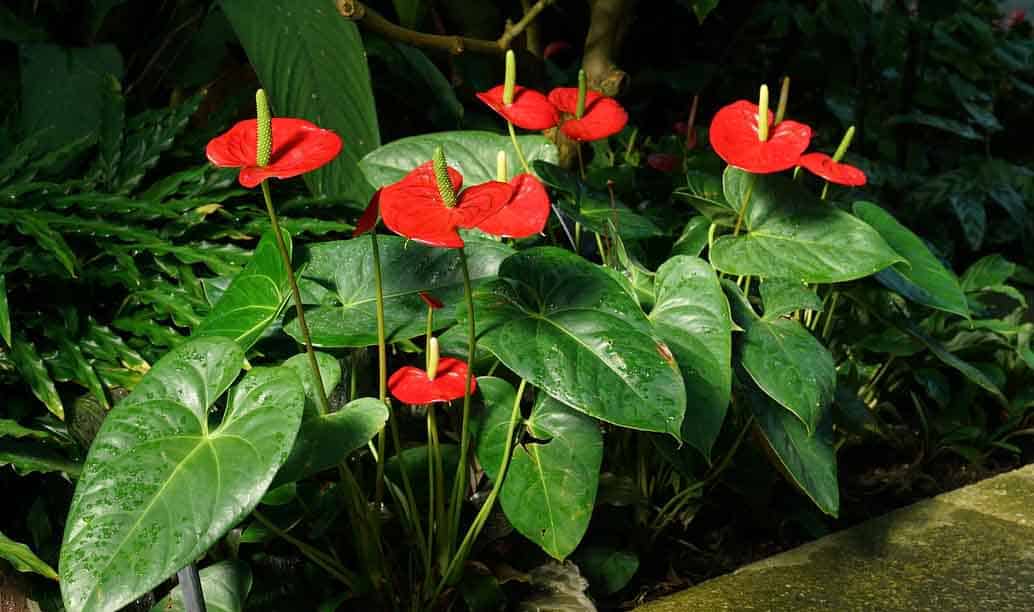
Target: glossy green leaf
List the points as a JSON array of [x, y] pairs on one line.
[[12, 429], [5, 313], [325, 440], [341, 274], [704, 192], [692, 316], [922, 279], [807, 460], [312, 64], [254, 299], [23, 559], [225, 586], [473, 153], [567, 327], [160, 485], [790, 233], [31, 456], [967, 369], [988, 271], [550, 486], [34, 372], [694, 236], [781, 296], [785, 361], [607, 569]]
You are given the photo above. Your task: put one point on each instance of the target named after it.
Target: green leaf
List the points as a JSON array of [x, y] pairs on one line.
[[607, 569], [52, 77], [922, 279], [29, 456], [342, 273], [567, 327], [694, 236], [781, 296], [790, 233], [312, 64], [550, 486], [704, 192], [989, 271], [692, 316], [49, 240], [787, 363], [31, 367], [225, 586], [5, 312], [410, 12], [956, 128], [159, 486], [13, 429], [23, 559], [325, 440], [968, 370], [972, 217], [148, 135], [807, 460], [254, 299], [473, 153]]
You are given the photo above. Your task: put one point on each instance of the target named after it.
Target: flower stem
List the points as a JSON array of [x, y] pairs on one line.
[[517, 148], [460, 483], [743, 207], [382, 366], [324, 403], [486, 508]]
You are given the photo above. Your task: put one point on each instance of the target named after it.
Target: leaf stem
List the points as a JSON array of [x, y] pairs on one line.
[[190, 583], [486, 508], [382, 366], [331, 566], [517, 148], [324, 403]]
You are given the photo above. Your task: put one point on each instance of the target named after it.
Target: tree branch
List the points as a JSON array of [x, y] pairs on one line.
[[608, 21], [373, 21]]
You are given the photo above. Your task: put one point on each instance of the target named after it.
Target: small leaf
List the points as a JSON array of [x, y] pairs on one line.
[[782, 296], [225, 586], [972, 216], [29, 456], [31, 367], [694, 236], [23, 559], [790, 233], [922, 279], [988, 271], [608, 569]]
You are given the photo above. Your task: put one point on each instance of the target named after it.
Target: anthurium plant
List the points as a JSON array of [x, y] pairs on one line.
[[548, 342]]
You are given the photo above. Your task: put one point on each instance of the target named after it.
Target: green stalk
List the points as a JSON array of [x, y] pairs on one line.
[[486, 508], [459, 484], [438, 521], [382, 367], [324, 403], [325, 561], [743, 207], [517, 147]]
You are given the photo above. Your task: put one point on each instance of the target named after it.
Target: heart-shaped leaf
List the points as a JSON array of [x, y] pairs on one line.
[[472, 153], [790, 233], [160, 486], [550, 486], [312, 63], [692, 317], [225, 586], [781, 296], [325, 440], [564, 325], [807, 460], [922, 279], [340, 275], [254, 298]]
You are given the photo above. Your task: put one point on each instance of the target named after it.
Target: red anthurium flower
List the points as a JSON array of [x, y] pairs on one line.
[[526, 212], [299, 146], [734, 136], [411, 385], [833, 171], [431, 301], [603, 116], [665, 162], [530, 110], [414, 207], [369, 218]]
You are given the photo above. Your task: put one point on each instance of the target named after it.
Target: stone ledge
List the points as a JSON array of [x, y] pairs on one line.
[[970, 549]]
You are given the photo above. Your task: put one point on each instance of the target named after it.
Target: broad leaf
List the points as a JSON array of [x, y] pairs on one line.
[[790, 233], [225, 586], [922, 279], [550, 486], [160, 486], [694, 236], [989, 271], [23, 559], [781, 296], [608, 569], [567, 327], [692, 316], [312, 64], [325, 440], [972, 217], [807, 460], [254, 298], [472, 153], [342, 275], [30, 366], [704, 192]]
